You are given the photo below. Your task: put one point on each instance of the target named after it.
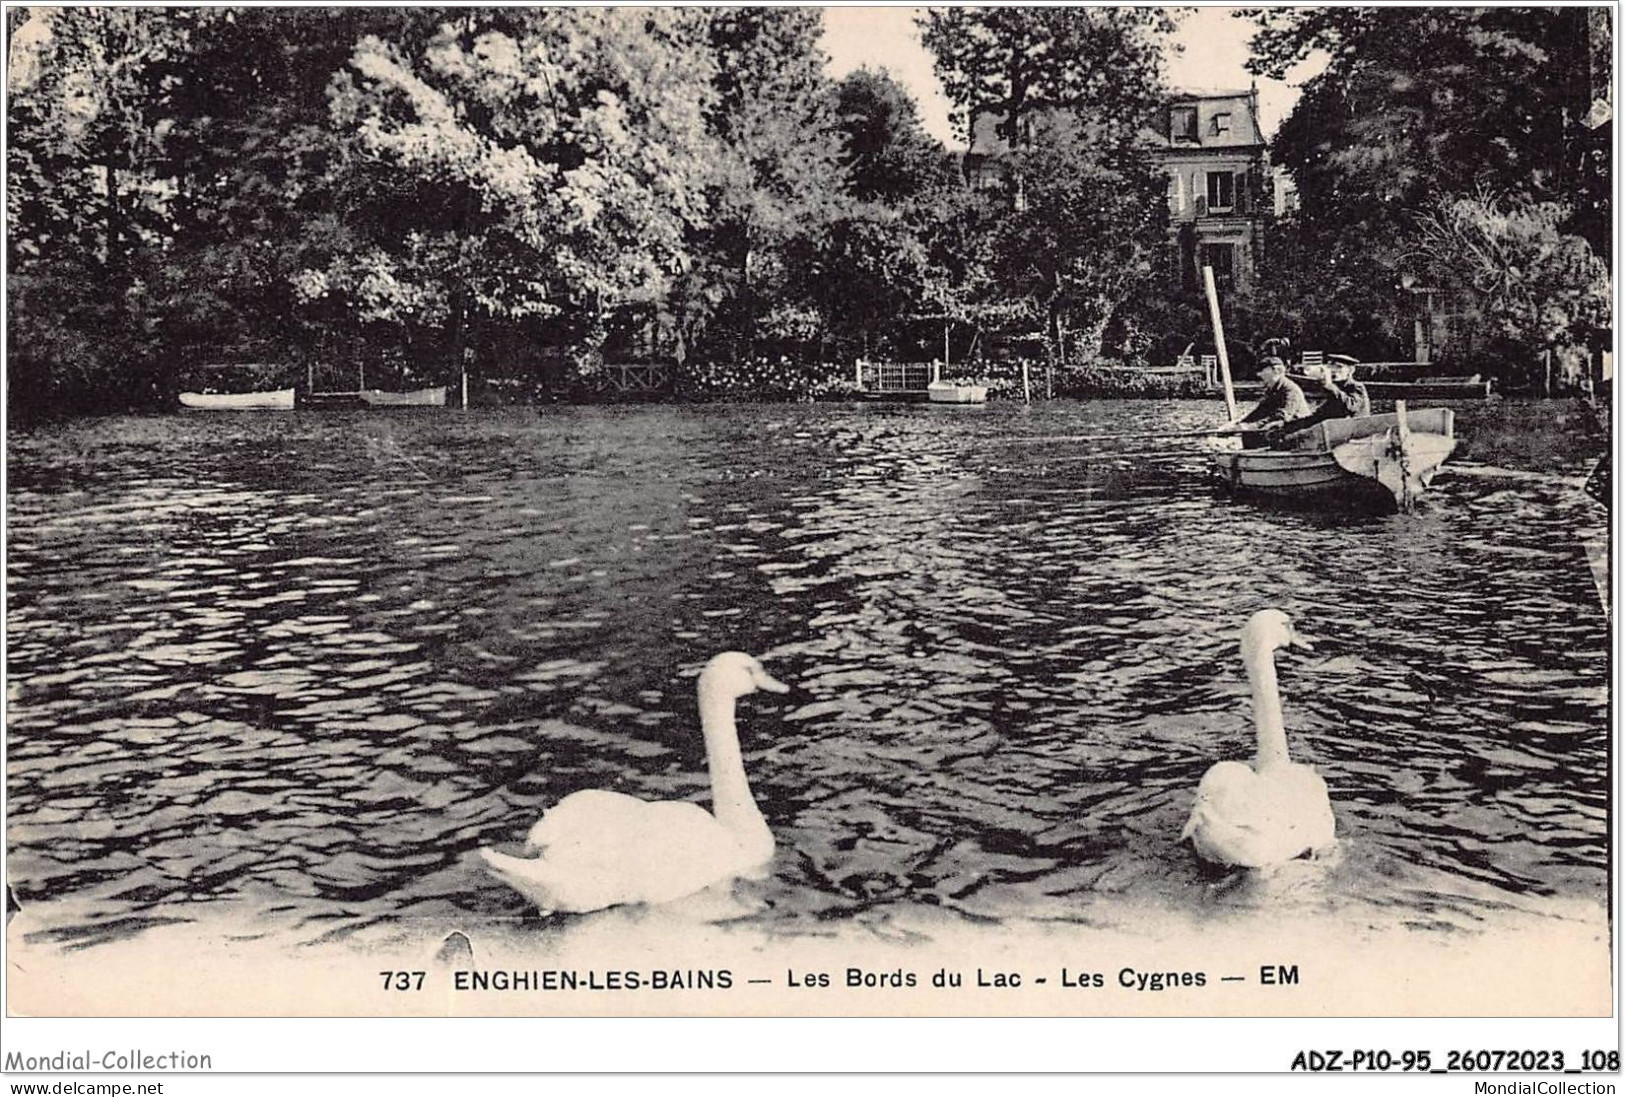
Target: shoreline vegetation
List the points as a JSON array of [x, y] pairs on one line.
[[526, 201]]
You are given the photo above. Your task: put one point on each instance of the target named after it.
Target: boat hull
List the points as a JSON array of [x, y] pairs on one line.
[[276, 400], [1388, 459], [418, 398], [1308, 477], [941, 392]]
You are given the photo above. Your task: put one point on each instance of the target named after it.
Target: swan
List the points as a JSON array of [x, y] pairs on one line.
[[1275, 809], [597, 849]]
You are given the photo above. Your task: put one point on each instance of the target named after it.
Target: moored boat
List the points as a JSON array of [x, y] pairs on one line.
[[947, 392], [274, 400], [331, 399], [418, 398], [1391, 458]]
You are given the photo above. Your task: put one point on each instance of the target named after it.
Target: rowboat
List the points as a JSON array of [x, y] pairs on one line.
[[946, 392], [275, 400], [1388, 458], [417, 398]]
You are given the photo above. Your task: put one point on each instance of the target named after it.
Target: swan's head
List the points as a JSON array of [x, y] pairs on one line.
[[1267, 630], [734, 674]]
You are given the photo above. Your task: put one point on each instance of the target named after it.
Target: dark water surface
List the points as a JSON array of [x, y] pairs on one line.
[[305, 664]]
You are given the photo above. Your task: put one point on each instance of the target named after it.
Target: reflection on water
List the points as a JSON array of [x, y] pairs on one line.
[[306, 664]]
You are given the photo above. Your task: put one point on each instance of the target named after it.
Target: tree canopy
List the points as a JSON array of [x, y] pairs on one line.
[[1423, 110], [1023, 61]]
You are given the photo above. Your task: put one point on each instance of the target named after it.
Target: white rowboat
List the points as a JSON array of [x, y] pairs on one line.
[[946, 392], [417, 398], [275, 400]]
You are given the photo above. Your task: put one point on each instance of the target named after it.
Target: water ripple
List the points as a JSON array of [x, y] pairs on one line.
[[313, 661]]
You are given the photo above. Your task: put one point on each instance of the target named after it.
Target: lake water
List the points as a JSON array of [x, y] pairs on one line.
[[298, 667]]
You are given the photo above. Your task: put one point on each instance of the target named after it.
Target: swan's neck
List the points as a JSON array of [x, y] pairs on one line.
[[731, 801], [1267, 709]]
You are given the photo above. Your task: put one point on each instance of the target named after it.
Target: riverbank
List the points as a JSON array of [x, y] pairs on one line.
[[1558, 434]]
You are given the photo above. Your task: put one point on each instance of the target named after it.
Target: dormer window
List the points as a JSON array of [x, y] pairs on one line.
[[1182, 125], [1219, 125]]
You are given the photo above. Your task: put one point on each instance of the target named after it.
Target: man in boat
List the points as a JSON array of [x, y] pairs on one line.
[[1282, 401], [1341, 398]]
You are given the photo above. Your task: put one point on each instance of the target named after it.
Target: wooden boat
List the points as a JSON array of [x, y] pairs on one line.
[[1380, 458], [275, 400], [417, 398], [946, 392]]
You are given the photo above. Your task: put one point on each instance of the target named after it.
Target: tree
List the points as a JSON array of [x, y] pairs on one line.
[[88, 199], [259, 177], [169, 166], [1417, 107], [1533, 285], [540, 164], [1017, 63], [1083, 241], [888, 155], [1071, 90], [869, 269], [778, 180]]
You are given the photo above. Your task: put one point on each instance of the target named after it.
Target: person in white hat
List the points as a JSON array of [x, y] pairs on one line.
[[1342, 397]]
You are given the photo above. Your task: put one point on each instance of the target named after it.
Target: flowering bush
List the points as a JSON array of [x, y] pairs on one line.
[[1108, 377], [759, 377]]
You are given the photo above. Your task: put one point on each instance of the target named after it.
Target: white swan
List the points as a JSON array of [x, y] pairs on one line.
[[597, 849], [1275, 809]]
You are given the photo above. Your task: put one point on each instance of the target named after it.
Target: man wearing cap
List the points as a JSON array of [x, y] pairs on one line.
[[1340, 399], [1283, 400]]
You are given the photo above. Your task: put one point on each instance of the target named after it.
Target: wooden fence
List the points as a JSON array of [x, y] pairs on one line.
[[638, 377], [893, 376]]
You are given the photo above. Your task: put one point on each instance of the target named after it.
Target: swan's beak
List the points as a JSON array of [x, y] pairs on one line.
[[766, 681], [1299, 642]]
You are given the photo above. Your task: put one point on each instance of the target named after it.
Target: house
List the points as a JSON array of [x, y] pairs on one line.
[[1220, 188], [1213, 150]]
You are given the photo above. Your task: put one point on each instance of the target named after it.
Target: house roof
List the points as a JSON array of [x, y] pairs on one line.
[[1246, 135], [1209, 93]]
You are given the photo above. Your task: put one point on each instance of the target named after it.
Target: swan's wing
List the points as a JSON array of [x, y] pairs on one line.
[[1307, 803], [1242, 817], [589, 811], [1225, 793], [609, 827], [601, 849]]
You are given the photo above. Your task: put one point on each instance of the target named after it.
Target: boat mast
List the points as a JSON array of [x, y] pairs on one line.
[[1218, 341]]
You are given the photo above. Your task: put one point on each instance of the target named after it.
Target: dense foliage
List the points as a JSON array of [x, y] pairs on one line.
[[1070, 92], [524, 194], [1436, 144]]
